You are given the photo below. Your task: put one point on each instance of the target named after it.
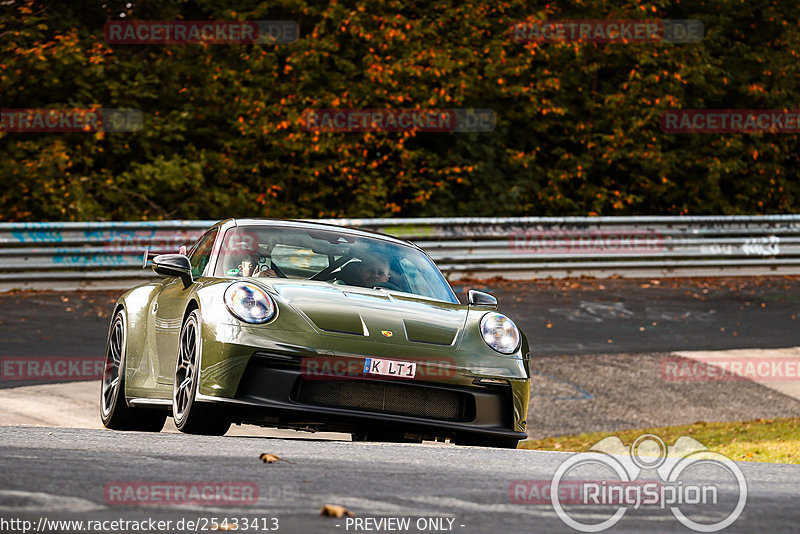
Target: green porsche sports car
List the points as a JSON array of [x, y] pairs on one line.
[[316, 327]]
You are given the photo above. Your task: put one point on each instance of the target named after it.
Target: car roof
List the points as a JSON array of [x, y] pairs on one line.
[[293, 223]]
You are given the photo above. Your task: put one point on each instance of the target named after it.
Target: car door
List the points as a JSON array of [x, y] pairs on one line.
[[171, 305]]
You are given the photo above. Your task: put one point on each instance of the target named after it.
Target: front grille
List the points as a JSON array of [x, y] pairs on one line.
[[389, 398]]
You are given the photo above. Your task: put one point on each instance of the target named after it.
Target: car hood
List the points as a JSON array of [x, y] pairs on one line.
[[372, 313]]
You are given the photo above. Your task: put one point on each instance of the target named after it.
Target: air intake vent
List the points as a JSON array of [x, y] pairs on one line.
[[389, 398]]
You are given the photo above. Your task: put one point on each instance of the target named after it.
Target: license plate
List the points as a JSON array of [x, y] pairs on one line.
[[400, 369]]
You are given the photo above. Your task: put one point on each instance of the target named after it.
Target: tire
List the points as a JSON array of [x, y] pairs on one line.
[[114, 411], [192, 417], [478, 440], [384, 436]]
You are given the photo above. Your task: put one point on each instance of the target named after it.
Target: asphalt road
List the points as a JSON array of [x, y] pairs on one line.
[[560, 317], [597, 346], [66, 474], [577, 317]]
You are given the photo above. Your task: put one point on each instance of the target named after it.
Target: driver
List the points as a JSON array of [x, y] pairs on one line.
[[372, 271], [249, 267]]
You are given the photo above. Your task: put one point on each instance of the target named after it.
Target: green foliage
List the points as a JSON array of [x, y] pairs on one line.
[[577, 123]]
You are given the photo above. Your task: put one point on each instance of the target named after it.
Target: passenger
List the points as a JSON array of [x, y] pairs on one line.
[[372, 271]]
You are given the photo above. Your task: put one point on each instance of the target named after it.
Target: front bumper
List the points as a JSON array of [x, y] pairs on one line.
[[276, 390]]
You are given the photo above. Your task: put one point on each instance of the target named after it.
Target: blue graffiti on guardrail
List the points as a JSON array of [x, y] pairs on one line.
[[144, 236], [143, 231], [51, 236], [78, 259]]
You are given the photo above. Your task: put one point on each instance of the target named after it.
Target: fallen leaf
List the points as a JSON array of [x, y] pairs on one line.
[[269, 458], [334, 510]]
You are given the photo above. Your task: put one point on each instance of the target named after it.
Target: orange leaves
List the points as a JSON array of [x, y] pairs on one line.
[[334, 510], [597, 103]]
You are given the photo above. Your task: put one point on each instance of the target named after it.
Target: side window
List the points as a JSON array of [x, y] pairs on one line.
[[201, 253]]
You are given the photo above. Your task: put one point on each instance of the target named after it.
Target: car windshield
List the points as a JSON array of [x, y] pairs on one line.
[[331, 256]]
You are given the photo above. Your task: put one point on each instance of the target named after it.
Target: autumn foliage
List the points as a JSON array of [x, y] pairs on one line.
[[577, 129]]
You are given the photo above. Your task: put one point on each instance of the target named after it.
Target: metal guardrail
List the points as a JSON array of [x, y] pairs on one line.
[[108, 254]]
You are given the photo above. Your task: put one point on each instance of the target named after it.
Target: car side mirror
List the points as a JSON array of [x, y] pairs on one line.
[[479, 298], [176, 265]]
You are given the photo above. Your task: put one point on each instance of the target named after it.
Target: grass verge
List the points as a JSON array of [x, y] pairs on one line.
[[761, 440]]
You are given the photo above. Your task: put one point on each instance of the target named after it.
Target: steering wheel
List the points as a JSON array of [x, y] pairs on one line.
[[278, 271], [387, 285], [275, 269]]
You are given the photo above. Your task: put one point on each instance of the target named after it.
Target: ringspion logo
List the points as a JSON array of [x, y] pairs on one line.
[[617, 478], [584, 491]]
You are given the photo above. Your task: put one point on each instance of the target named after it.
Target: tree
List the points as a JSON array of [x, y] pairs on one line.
[[577, 123]]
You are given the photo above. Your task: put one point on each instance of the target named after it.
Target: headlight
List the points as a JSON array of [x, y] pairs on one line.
[[249, 303], [500, 333]]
